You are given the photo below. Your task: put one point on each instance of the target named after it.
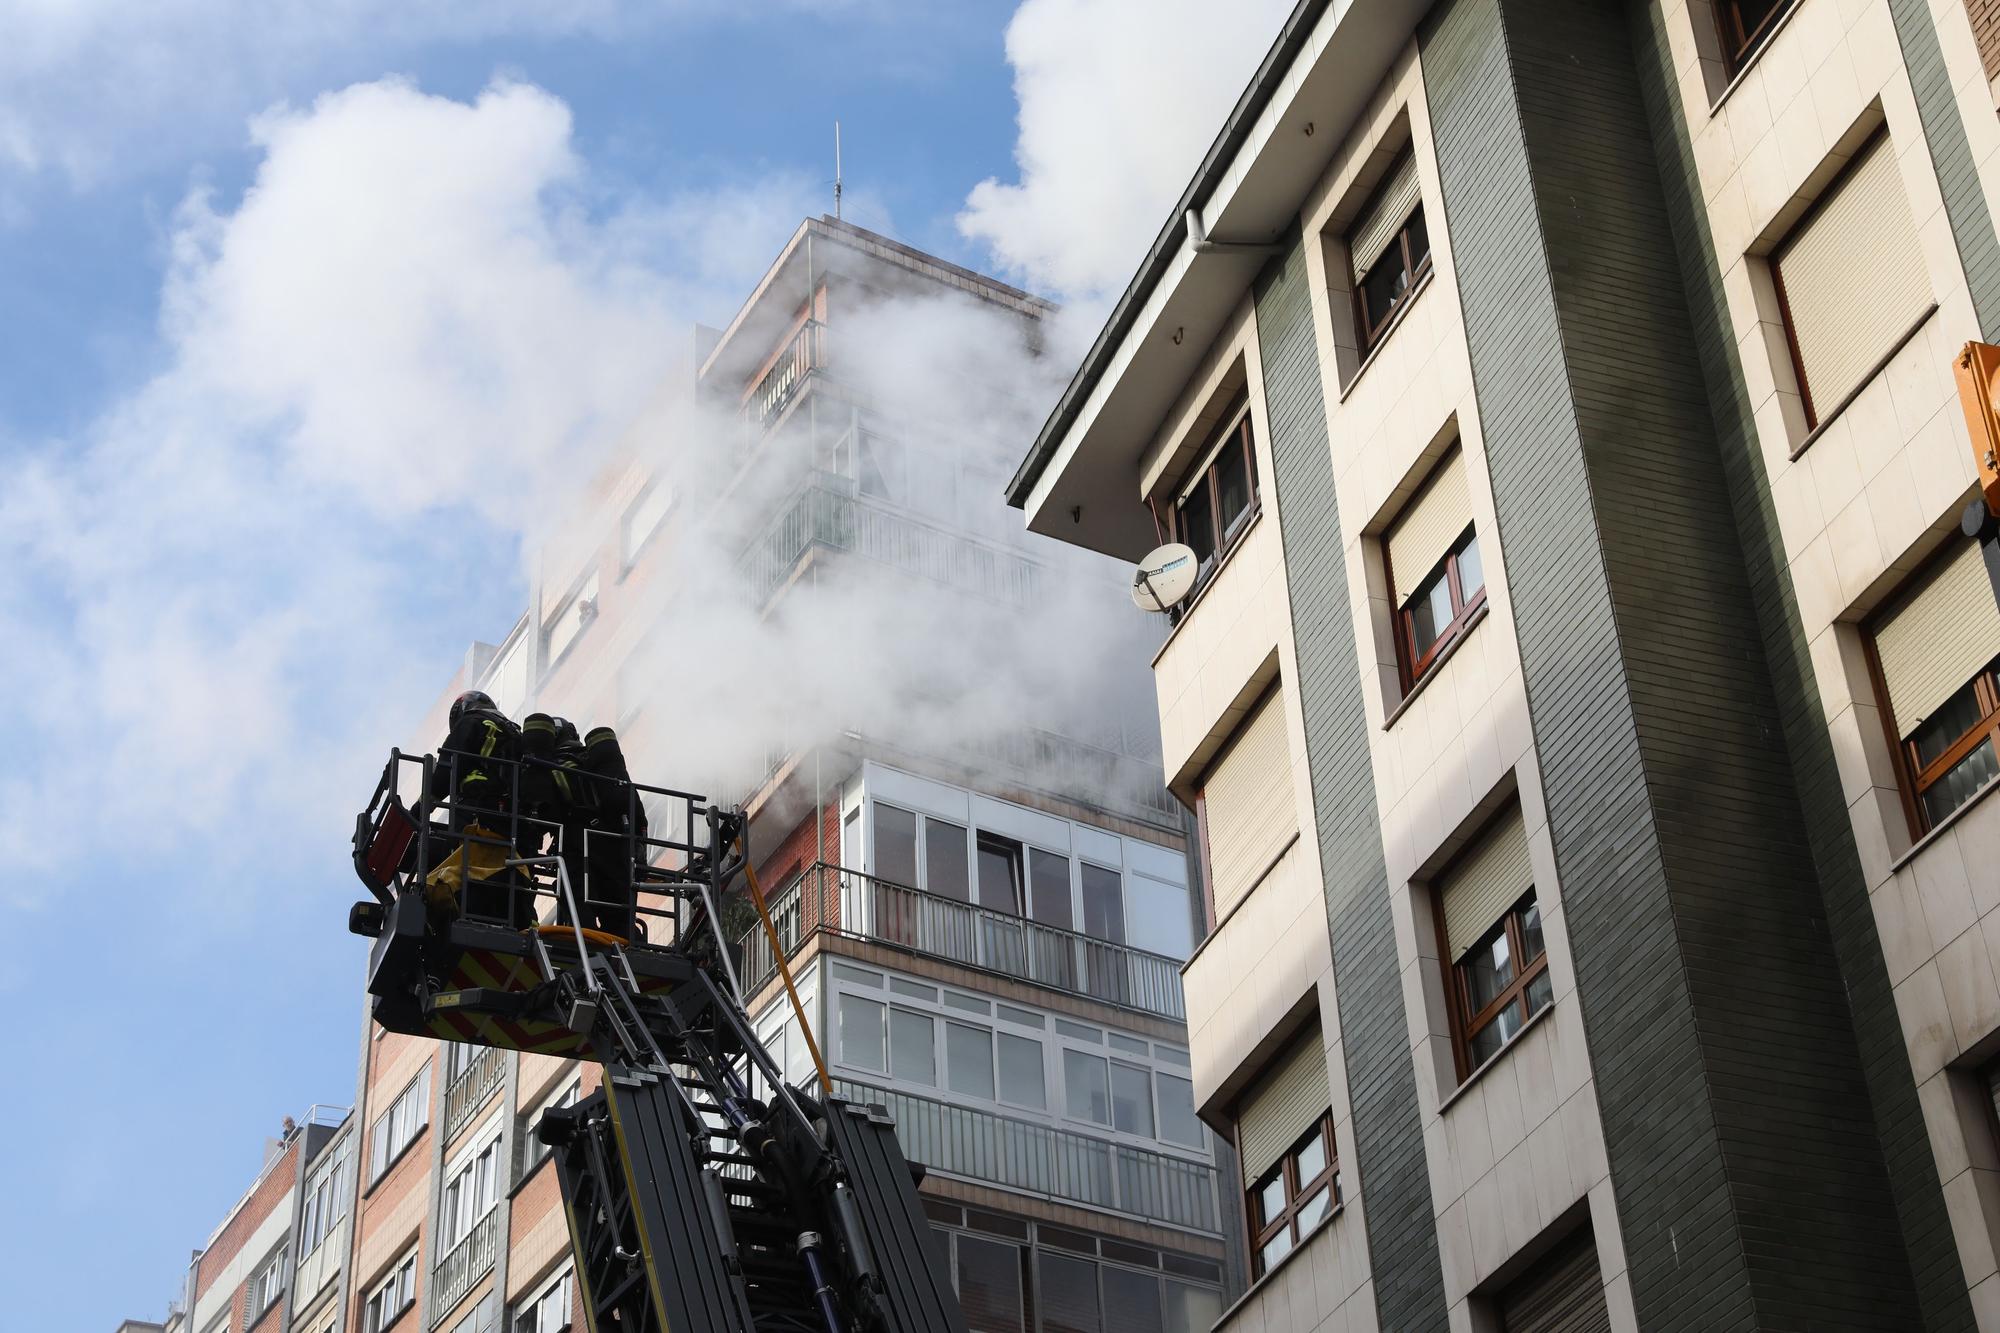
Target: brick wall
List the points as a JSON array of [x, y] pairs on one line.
[[1985, 16], [277, 1182]]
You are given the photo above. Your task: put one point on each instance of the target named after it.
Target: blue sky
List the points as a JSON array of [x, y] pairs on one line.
[[307, 302]]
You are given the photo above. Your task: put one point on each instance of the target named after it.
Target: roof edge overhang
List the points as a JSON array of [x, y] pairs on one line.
[[1327, 62]]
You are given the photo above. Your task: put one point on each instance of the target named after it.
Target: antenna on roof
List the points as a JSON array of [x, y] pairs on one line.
[[836, 170]]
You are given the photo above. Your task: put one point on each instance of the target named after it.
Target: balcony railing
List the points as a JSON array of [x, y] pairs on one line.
[[831, 898], [469, 1091], [1043, 1160], [822, 515], [463, 1265], [804, 354]]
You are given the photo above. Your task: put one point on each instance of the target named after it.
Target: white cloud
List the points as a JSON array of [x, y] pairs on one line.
[[1119, 99], [412, 334]]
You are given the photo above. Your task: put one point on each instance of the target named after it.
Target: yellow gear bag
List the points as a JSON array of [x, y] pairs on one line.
[[474, 860]]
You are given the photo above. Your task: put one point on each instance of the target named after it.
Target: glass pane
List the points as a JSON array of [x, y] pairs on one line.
[[945, 871], [1191, 1309], [1103, 904], [968, 1060], [1961, 783], [1385, 283], [1489, 969], [1275, 1249], [1314, 1210], [1420, 237], [1312, 1159], [1000, 874], [912, 1046], [1021, 1077], [1485, 1044], [1086, 1089], [895, 845], [1271, 1199], [1069, 1294], [861, 1033], [1197, 524], [1540, 991], [1430, 615], [1951, 720], [1131, 1099], [1048, 876], [1531, 933], [1178, 1123], [989, 1285], [1131, 1301], [1471, 572], [1232, 482]]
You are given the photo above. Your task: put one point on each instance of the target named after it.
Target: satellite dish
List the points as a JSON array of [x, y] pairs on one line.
[[1165, 577]]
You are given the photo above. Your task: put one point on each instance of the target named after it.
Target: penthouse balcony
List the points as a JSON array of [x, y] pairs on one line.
[[834, 900], [802, 357]]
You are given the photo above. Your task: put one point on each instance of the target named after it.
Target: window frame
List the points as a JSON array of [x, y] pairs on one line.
[[1168, 527], [564, 1280], [533, 1151], [1465, 1023], [403, 1273], [418, 1108], [268, 1284], [1411, 667], [1368, 337], [1738, 51], [1297, 1193]]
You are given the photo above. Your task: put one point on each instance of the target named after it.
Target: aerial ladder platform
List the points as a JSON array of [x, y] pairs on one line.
[[703, 1194]]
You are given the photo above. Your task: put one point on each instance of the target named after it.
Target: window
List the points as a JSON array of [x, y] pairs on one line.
[[1492, 929], [1218, 498], [397, 1128], [1000, 873], [267, 1285], [1048, 888], [469, 1194], [990, 1284], [396, 1294], [912, 1046], [1022, 1080], [546, 1312], [1293, 1196], [1246, 812], [1436, 577], [483, 1317], [880, 461], [1086, 1087], [458, 1058], [1103, 904], [570, 619], [642, 520], [1388, 250], [1178, 1122], [1284, 1140], [863, 1024], [1851, 280], [507, 680], [1744, 24], [946, 870], [533, 1151], [1131, 1099], [1068, 1291], [327, 1191], [1934, 654], [895, 845], [968, 1058]]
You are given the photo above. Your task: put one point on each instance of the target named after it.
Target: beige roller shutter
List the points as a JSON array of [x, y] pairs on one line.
[[1853, 277], [1491, 877], [1249, 810], [1280, 1110], [1939, 639], [1429, 525], [1395, 199], [1564, 1293]]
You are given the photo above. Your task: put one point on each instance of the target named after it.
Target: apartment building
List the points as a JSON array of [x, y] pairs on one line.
[[985, 929], [1588, 692]]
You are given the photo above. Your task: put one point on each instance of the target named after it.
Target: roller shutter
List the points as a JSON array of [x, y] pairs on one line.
[[1562, 1294], [1940, 638], [1429, 525], [1280, 1110], [1490, 878], [1248, 805], [1853, 277], [1395, 199]]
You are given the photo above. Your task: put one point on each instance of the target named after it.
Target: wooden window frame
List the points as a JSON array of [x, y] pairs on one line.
[[1778, 268], [1370, 335], [1738, 42], [1411, 667], [1467, 1024], [1297, 1192], [1912, 778], [1167, 525]]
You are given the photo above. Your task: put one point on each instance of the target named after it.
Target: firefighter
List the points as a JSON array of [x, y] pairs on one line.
[[556, 797], [475, 776], [616, 830]]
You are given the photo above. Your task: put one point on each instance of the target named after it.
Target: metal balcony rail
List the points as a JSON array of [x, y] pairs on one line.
[[463, 1265], [805, 353], [469, 1091], [831, 898], [822, 515], [1046, 1161]]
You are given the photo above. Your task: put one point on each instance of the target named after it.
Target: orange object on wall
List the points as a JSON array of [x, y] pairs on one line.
[[1977, 369]]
